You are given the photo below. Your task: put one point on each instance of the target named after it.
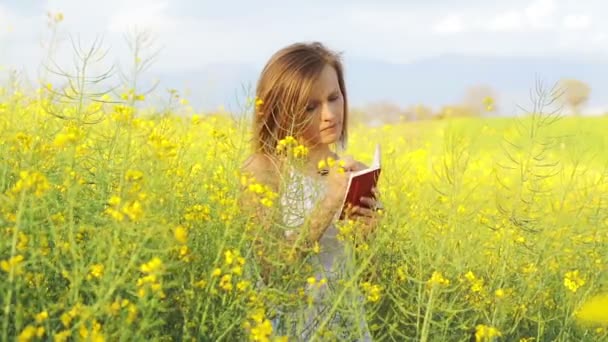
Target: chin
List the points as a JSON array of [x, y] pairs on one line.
[[330, 139]]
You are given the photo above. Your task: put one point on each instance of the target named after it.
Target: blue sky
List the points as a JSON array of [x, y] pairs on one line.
[[198, 34]]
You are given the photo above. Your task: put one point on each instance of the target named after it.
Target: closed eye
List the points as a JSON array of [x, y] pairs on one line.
[[311, 108]]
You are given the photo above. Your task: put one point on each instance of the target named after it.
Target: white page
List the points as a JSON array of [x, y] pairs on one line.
[[375, 163]]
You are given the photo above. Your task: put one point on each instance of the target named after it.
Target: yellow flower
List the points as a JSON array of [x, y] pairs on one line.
[[133, 210], [134, 175], [42, 316], [184, 254], [594, 310], [488, 102], [12, 265], [316, 248], [226, 282], [181, 234], [229, 257], [132, 315], [372, 292], [114, 308], [300, 151], [573, 281], [154, 265], [258, 103], [29, 333], [529, 268], [402, 272], [237, 270], [438, 279], [62, 336], [242, 285], [476, 283], [58, 17], [486, 333], [197, 212], [96, 271], [23, 242], [35, 181], [322, 164], [260, 328], [267, 202]]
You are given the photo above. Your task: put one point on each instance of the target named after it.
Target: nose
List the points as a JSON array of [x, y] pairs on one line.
[[328, 113]]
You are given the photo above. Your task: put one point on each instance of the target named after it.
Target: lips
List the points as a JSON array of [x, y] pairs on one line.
[[329, 127]]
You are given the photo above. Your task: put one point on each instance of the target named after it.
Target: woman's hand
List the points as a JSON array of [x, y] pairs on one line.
[[350, 164], [367, 212], [337, 181]]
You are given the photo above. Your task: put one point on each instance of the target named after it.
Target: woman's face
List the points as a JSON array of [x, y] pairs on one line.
[[325, 110]]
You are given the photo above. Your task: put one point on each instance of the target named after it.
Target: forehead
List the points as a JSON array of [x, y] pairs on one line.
[[326, 83]]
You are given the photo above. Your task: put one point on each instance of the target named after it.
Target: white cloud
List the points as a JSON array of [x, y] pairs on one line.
[[449, 25], [600, 39], [195, 34], [576, 22], [143, 14], [540, 14], [510, 21], [7, 21]]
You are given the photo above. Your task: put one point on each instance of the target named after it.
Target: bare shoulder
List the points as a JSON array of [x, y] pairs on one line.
[[261, 166], [258, 163]]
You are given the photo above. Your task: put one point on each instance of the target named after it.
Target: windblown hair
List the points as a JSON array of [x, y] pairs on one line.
[[284, 88]]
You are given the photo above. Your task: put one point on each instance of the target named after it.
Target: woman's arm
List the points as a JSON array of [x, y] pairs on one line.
[[317, 222], [312, 228], [273, 248]]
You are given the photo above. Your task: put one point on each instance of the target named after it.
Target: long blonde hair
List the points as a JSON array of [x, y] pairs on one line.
[[283, 90]]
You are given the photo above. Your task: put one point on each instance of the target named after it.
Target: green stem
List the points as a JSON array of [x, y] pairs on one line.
[[427, 317], [11, 275]]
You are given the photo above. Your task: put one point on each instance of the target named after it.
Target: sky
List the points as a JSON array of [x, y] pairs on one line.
[[196, 35]]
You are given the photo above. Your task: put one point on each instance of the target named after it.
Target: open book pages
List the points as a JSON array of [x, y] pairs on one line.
[[361, 183]]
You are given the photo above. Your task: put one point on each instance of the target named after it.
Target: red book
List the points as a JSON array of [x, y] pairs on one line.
[[361, 183]]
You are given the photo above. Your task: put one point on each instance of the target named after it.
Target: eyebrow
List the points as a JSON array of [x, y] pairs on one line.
[[332, 93]]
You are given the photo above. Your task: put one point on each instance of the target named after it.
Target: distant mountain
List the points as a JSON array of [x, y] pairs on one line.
[[434, 81], [443, 80]]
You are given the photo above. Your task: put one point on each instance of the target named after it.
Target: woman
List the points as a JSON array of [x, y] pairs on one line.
[[301, 94]]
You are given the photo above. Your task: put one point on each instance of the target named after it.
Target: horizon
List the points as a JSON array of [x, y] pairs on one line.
[[418, 39]]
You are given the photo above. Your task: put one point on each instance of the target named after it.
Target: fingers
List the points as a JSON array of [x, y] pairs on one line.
[[350, 164], [368, 202], [371, 203], [358, 211], [377, 204], [376, 192], [366, 212], [367, 217], [350, 211]]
